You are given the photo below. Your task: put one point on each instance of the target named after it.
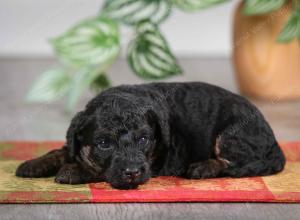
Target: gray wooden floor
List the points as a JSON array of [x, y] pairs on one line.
[[155, 211], [22, 121]]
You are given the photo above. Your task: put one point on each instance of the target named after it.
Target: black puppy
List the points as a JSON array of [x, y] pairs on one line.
[[130, 133]]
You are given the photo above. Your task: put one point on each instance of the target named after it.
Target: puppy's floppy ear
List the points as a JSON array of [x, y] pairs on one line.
[[161, 119], [73, 137]]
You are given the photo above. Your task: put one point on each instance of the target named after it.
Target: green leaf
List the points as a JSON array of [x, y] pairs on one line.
[[101, 82], [291, 29], [149, 55], [257, 7], [81, 81], [91, 42], [192, 5], [133, 11], [51, 86]]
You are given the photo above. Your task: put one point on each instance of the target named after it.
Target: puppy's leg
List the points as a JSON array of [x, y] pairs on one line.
[[245, 148], [251, 154], [73, 173], [44, 166], [207, 169], [210, 168], [256, 167]]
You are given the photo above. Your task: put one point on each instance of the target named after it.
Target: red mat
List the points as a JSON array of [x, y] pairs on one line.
[[282, 187]]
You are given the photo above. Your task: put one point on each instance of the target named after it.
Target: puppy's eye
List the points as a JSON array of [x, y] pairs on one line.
[[143, 140], [104, 144]]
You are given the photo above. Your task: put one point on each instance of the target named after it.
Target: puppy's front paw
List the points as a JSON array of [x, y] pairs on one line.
[[69, 174], [206, 169], [33, 168]]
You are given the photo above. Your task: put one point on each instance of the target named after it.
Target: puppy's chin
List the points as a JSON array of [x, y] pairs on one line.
[[127, 185], [124, 186]]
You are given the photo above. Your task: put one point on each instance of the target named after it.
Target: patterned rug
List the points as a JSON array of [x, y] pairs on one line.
[[283, 187]]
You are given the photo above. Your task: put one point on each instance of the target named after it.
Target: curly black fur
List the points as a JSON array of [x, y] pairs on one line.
[[130, 133]]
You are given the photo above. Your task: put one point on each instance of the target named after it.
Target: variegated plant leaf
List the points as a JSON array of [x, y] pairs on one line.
[[192, 5], [101, 82], [50, 86], [256, 7], [291, 29], [91, 42], [149, 54], [133, 11], [81, 81]]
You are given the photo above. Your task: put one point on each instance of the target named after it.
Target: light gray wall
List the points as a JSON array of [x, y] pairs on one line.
[[27, 24]]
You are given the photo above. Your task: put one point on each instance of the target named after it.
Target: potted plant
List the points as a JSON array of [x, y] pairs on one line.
[[266, 51], [87, 50]]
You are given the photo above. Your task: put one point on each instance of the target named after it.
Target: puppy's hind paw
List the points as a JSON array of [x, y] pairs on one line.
[[206, 169]]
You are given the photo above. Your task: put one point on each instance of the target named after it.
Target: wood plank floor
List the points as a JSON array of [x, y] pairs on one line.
[[22, 121], [155, 211]]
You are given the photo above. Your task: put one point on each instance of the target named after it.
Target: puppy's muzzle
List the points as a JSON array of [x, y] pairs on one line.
[[133, 173], [128, 171]]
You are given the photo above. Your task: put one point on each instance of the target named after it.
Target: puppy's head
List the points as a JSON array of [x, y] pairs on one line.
[[118, 141]]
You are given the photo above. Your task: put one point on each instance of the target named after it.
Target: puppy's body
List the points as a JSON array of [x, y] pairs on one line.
[[128, 133]]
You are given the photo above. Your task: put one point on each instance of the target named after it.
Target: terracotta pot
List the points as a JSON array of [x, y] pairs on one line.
[[265, 68]]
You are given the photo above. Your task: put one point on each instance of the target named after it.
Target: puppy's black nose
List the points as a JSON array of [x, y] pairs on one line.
[[132, 173]]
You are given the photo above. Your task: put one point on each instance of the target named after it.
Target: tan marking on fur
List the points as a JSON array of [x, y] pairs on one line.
[[218, 152], [85, 153], [217, 146]]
